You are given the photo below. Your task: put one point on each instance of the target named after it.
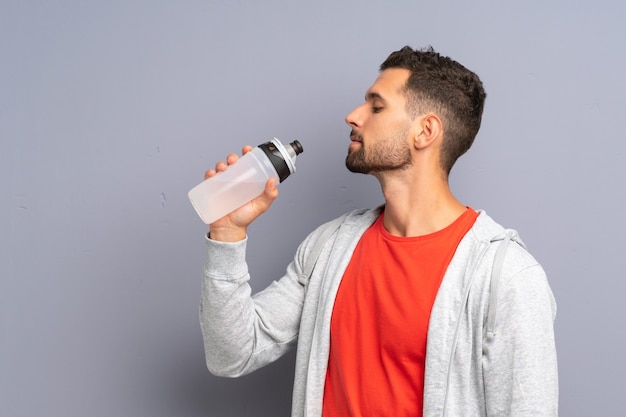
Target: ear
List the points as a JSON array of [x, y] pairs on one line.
[[431, 130]]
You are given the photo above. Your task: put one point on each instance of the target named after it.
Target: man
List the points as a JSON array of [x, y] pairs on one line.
[[421, 307]]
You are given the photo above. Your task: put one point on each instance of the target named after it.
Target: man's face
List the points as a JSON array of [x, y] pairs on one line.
[[381, 126]]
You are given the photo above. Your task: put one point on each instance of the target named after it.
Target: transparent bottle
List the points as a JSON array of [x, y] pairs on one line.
[[244, 180]]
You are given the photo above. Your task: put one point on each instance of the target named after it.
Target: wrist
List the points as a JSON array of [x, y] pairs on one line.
[[227, 234]]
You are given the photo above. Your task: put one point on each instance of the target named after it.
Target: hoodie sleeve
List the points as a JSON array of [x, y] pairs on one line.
[[519, 358], [242, 332]]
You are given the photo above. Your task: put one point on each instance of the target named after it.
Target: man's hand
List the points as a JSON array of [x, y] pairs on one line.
[[233, 226]]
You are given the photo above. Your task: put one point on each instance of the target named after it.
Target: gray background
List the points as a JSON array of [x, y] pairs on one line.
[[110, 111]]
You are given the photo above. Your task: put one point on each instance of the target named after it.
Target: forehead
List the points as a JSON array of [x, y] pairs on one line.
[[390, 83]]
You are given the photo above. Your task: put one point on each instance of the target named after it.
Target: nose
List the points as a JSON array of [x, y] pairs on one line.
[[355, 117]]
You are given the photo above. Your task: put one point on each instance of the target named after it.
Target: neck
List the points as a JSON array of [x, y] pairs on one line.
[[416, 205]]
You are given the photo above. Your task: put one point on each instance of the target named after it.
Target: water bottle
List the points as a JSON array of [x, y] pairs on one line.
[[244, 180]]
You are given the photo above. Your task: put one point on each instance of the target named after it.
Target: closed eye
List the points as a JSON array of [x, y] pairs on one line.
[[375, 99]]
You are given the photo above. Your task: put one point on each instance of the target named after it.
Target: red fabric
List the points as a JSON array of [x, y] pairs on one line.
[[380, 321]]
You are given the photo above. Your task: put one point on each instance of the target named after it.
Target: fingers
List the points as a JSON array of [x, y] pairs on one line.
[[230, 159], [220, 166]]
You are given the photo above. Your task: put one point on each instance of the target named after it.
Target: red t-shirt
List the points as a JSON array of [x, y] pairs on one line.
[[380, 321]]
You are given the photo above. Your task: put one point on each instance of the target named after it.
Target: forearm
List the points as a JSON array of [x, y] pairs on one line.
[[225, 293], [243, 332]]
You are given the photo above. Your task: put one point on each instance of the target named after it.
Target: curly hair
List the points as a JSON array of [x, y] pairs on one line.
[[445, 87]]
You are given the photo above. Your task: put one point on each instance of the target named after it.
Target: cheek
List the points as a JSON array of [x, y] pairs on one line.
[[380, 130]]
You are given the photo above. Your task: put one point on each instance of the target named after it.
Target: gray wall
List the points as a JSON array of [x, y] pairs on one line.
[[110, 111]]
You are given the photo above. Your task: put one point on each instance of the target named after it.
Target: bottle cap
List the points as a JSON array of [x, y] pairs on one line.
[[282, 160]]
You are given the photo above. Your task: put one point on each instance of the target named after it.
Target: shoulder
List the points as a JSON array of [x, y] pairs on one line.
[[487, 241], [520, 271], [354, 218], [349, 225]]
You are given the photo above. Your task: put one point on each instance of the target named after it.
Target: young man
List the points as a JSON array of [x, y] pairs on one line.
[[421, 307]]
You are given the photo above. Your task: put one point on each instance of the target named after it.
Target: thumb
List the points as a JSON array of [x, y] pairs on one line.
[[270, 193], [271, 190]]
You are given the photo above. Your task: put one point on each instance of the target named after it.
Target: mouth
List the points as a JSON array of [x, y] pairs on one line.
[[355, 137]]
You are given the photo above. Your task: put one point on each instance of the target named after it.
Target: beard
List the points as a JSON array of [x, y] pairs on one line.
[[387, 155]]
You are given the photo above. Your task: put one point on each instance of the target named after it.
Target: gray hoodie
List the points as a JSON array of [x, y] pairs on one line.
[[478, 363]]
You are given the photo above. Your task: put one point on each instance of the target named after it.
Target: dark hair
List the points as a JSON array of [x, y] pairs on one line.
[[442, 85]]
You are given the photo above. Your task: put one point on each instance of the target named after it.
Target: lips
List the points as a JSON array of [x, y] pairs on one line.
[[355, 137]]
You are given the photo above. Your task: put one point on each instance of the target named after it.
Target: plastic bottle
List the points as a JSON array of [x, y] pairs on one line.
[[228, 190]]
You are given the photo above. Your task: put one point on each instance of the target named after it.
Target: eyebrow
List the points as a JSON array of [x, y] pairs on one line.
[[372, 95]]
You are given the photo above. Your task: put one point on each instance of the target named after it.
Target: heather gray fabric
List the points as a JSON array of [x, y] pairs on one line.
[[469, 372]]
